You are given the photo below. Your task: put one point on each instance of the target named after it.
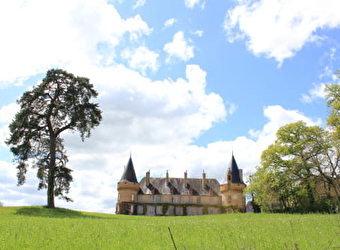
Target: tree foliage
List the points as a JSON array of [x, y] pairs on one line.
[[300, 171], [61, 102]]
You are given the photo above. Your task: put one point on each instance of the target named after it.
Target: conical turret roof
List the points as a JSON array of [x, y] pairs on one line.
[[129, 172], [234, 171]]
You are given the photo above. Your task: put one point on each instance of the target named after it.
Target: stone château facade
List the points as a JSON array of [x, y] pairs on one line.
[[180, 196]]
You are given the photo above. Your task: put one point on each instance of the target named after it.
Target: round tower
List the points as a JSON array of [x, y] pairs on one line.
[[128, 188], [232, 189]]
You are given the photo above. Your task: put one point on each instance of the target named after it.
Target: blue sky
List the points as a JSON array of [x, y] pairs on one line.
[[182, 83]]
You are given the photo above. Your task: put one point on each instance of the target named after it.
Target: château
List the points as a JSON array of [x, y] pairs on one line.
[[180, 196]]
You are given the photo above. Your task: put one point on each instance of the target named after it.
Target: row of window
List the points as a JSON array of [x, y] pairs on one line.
[[175, 199], [171, 210]]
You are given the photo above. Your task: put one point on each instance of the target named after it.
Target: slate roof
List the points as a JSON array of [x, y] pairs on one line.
[[234, 170], [129, 172], [176, 186]]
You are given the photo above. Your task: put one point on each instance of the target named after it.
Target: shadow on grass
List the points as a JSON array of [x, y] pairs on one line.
[[40, 211]]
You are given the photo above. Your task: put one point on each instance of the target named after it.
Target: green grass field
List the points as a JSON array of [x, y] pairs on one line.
[[41, 228]]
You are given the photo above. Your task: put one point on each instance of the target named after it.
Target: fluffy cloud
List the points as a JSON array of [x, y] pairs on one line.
[[268, 25], [65, 32], [191, 3], [179, 48], [139, 3], [168, 23], [198, 33], [141, 59], [318, 91], [6, 115]]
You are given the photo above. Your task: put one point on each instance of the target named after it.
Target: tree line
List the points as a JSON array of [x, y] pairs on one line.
[[300, 171]]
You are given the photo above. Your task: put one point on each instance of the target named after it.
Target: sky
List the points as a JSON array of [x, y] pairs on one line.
[[182, 84]]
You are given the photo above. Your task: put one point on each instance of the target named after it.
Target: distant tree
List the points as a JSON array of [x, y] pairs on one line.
[[61, 102], [1, 204]]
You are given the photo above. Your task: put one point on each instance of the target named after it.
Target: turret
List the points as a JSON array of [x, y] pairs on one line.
[[128, 188], [232, 188]]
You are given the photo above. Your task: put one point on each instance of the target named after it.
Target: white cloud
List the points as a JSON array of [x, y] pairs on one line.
[[137, 27], [179, 48], [168, 23], [278, 29], [317, 92], [278, 117], [141, 59], [71, 31], [232, 107], [191, 3], [139, 3], [198, 33], [6, 116], [7, 112]]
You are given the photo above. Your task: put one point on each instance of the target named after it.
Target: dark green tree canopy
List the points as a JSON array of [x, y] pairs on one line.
[[61, 102]]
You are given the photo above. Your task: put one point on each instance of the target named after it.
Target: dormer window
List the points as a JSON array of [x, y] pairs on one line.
[[172, 190]]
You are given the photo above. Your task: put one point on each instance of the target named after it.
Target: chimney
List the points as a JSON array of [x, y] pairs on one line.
[[185, 183], [147, 178], [203, 180], [167, 177]]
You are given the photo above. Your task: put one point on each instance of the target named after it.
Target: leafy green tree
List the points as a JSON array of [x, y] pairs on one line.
[[290, 167], [60, 103], [301, 169]]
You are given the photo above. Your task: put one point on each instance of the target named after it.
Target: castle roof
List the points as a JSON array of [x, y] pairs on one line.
[[234, 171], [129, 172], [176, 186]]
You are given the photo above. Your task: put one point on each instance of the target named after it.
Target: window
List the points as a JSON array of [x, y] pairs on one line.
[[190, 199], [151, 210], [189, 211], [198, 200], [229, 199], [151, 198], [132, 197], [171, 210], [139, 198], [179, 211], [159, 210], [140, 210], [172, 199], [159, 199]]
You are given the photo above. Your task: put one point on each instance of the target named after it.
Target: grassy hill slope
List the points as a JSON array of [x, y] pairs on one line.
[[41, 228]]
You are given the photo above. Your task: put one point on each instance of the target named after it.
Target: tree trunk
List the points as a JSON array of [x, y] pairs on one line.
[[51, 173]]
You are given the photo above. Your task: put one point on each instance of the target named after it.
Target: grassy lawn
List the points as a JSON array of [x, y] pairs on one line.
[[41, 228]]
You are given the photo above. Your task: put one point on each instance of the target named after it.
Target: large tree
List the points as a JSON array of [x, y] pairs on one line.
[[301, 169], [298, 171], [59, 103]]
